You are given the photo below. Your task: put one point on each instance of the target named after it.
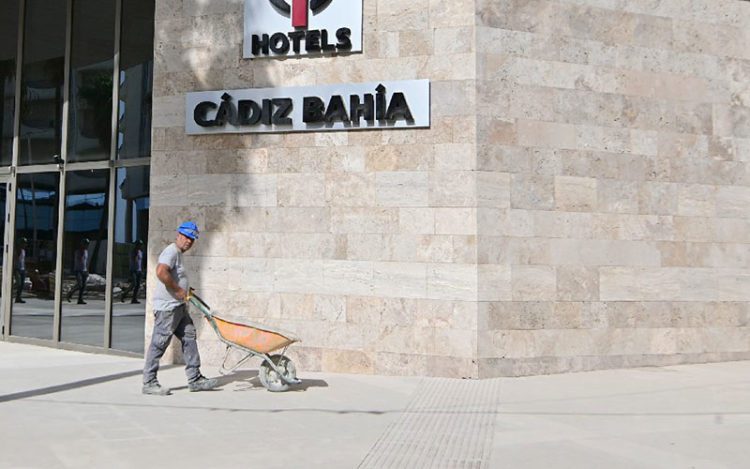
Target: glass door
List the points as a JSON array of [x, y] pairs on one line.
[[34, 255], [130, 246], [85, 244]]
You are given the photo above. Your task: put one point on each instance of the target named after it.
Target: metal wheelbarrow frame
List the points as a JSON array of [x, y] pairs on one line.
[[276, 372]]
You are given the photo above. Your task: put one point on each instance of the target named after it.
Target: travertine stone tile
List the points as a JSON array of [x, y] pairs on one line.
[[452, 282], [301, 190], [402, 189], [533, 283], [455, 221], [575, 194], [576, 283], [494, 282], [453, 189], [532, 192]]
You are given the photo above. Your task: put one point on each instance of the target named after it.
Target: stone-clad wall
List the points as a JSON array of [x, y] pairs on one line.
[[362, 243], [613, 148], [581, 200]]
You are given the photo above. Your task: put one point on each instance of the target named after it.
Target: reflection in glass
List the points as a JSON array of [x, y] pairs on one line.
[[85, 257], [136, 76], [42, 81], [131, 238], [8, 41], [91, 69], [34, 255]]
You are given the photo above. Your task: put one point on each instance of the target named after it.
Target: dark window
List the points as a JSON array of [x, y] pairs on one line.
[[42, 81], [136, 77], [91, 70], [8, 49], [34, 255], [129, 269]]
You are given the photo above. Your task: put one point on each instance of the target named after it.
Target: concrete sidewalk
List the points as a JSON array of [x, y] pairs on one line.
[[70, 409]]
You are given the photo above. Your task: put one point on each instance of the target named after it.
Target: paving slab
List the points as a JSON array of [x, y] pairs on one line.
[[73, 410]]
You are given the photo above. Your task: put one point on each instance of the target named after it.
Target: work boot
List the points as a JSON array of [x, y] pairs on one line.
[[81, 302], [155, 389], [19, 300], [202, 384]]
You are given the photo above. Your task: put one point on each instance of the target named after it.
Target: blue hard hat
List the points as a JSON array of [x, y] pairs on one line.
[[189, 229]]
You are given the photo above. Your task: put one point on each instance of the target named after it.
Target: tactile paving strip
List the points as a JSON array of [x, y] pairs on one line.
[[448, 424]]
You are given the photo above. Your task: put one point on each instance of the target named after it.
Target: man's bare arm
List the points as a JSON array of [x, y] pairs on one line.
[[164, 274]]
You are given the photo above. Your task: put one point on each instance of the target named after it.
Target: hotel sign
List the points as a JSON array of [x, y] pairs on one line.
[[295, 28], [376, 105]]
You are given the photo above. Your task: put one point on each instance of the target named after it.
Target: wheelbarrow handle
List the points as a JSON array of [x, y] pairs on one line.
[[192, 297]]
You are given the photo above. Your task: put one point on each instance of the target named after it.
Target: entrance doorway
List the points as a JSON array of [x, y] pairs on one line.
[[76, 82]]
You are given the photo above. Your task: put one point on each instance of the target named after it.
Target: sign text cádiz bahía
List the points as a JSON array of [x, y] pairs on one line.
[[395, 104]]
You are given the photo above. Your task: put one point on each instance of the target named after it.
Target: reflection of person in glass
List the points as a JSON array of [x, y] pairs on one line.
[[81, 270], [19, 269], [136, 272]]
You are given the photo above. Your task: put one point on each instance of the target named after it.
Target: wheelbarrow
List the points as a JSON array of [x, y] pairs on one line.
[[277, 372]]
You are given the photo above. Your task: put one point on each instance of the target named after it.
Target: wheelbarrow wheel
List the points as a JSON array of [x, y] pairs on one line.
[[270, 379]]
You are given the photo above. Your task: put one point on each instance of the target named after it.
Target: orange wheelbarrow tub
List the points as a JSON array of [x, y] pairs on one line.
[[277, 372]]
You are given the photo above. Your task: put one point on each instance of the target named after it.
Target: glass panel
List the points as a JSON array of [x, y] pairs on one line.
[[91, 69], [42, 81], [3, 208], [131, 239], [8, 41], [136, 77], [34, 255], [85, 257]]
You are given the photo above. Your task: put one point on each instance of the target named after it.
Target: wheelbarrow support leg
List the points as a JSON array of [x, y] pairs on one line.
[[225, 370]]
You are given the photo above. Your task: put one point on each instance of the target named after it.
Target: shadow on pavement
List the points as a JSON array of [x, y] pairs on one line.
[[247, 380], [68, 386]]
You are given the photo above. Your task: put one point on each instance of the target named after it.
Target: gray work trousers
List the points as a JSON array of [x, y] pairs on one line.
[[175, 322]]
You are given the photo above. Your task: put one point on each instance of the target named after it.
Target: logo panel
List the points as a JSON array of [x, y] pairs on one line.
[[322, 108], [294, 28]]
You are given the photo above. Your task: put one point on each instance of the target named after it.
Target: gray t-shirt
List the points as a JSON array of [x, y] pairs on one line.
[[163, 300]]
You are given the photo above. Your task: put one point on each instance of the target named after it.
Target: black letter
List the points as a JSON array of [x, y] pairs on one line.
[[248, 112], [199, 114], [266, 119], [358, 110], [283, 108], [226, 111], [325, 45], [279, 43], [343, 35], [399, 108], [336, 110], [312, 41], [260, 44], [296, 37], [312, 109], [380, 108]]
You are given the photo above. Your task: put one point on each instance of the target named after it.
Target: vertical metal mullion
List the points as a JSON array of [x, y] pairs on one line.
[[19, 89], [11, 191], [6, 286], [109, 309], [64, 154]]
